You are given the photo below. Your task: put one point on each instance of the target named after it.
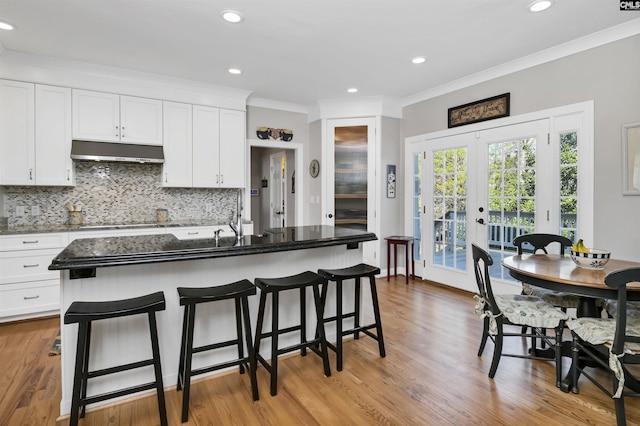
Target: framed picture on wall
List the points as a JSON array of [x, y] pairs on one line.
[[631, 159]]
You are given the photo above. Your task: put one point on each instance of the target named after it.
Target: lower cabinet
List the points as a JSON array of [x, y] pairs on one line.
[[27, 288]]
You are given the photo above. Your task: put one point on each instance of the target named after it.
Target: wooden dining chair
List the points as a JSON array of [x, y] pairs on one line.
[[516, 310], [541, 242], [612, 343]]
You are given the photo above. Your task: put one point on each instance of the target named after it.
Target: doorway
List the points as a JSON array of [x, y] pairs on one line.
[[490, 185], [258, 195]]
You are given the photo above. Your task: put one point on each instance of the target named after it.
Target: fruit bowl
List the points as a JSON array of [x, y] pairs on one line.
[[593, 259]]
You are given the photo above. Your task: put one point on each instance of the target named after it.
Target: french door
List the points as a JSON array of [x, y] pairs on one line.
[[483, 187]]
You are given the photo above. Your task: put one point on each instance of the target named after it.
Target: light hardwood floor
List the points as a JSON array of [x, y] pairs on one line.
[[431, 376]]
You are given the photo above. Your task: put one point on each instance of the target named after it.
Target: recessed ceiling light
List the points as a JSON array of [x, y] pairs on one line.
[[231, 16], [235, 71], [540, 5], [352, 89], [418, 60], [6, 26]]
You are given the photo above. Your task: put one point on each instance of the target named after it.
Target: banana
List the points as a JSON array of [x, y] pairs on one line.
[[580, 247]]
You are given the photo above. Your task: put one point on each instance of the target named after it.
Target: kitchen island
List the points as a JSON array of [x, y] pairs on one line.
[[98, 269]]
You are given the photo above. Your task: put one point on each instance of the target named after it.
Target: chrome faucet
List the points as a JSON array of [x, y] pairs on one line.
[[237, 227]]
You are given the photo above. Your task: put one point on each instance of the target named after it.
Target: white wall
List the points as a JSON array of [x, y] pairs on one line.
[[608, 75]]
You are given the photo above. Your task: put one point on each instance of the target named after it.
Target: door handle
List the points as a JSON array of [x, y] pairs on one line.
[[480, 221], [330, 215]]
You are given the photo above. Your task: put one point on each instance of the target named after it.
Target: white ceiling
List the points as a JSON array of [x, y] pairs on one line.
[[301, 51]]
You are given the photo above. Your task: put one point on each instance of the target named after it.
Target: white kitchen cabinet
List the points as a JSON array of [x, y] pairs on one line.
[[177, 134], [233, 149], [206, 147], [107, 117], [53, 166], [35, 135], [17, 133], [27, 288]]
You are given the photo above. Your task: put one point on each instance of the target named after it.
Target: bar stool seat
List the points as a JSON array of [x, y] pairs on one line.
[[84, 313], [339, 275], [318, 344], [189, 298]]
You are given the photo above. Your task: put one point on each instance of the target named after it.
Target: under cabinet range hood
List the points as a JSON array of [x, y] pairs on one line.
[[108, 151]]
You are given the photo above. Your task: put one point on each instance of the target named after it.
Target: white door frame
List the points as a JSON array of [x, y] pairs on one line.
[[298, 151], [562, 119]]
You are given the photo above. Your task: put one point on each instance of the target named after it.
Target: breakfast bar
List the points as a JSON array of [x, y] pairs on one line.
[[113, 268]]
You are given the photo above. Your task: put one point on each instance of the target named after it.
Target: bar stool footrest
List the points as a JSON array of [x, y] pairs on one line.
[[214, 346], [119, 368], [116, 394], [220, 366]]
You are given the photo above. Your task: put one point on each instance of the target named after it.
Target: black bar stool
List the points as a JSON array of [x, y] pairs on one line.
[[189, 298], [318, 344], [339, 275], [84, 313]]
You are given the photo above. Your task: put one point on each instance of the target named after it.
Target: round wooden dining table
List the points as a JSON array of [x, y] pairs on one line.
[[559, 273]]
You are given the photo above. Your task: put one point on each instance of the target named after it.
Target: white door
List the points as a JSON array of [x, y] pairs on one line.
[[480, 188], [350, 186], [277, 204]]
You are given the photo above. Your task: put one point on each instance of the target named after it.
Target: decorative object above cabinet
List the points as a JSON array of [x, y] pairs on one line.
[[106, 117]]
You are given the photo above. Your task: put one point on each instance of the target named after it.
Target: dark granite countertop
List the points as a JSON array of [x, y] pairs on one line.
[[36, 229], [114, 251]]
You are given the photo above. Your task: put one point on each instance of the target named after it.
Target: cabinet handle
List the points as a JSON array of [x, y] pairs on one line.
[[30, 242], [221, 179], [33, 265], [192, 233], [117, 131], [30, 174], [122, 131], [217, 178], [68, 174], [165, 178], [31, 297]]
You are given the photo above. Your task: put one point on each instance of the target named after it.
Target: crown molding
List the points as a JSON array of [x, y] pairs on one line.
[[609, 35], [356, 107], [271, 104], [82, 75]]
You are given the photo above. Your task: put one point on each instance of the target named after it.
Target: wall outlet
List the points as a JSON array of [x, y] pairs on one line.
[[208, 207], [35, 210], [19, 211]]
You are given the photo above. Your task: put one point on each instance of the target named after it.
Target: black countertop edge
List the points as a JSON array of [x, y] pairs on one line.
[[42, 229], [203, 249]]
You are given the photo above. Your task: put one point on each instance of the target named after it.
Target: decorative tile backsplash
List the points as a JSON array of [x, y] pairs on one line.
[[112, 193]]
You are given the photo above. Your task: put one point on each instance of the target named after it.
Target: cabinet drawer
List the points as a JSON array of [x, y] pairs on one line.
[[194, 233], [21, 266], [33, 241], [30, 299]]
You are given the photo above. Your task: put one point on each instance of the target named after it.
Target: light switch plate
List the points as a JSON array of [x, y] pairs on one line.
[[35, 210], [19, 210]]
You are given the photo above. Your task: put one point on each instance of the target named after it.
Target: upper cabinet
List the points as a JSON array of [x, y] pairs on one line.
[[232, 149], [105, 117], [35, 134], [204, 147], [178, 128], [17, 133]]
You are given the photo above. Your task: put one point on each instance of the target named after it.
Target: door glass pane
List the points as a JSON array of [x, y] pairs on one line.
[[512, 186], [351, 177], [417, 204], [450, 208], [569, 185]]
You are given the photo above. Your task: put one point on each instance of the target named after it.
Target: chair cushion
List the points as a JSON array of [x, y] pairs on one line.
[[633, 308], [556, 298], [528, 310], [600, 331]]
